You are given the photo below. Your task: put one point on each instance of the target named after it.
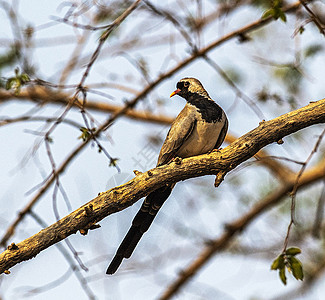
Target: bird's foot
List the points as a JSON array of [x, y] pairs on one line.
[[176, 160], [215, 150]]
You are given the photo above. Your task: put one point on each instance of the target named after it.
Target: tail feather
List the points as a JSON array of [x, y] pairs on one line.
[[140, 225]]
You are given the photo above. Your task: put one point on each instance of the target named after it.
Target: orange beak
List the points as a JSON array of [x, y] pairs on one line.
[[174, 93]]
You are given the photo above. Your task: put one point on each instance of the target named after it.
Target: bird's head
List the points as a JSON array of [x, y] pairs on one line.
[[189, 86]]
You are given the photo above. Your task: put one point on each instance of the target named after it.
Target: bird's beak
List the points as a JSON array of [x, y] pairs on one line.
[[174, 93]]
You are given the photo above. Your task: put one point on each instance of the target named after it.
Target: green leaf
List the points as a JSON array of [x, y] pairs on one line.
[[282, 274], [24, 78], [85, 134], [301, 29], [11, 82], [296, 268], [49, 139], [293, 251], [282, 16], [275, 11], [268, 13], [313, 50], [15, 83], [278, 263]]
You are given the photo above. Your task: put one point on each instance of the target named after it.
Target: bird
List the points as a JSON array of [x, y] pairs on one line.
[[199, 128]]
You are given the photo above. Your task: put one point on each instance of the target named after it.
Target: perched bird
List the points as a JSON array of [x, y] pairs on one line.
[[199, 128]]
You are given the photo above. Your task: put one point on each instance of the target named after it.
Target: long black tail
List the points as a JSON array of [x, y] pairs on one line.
[[140, 225]]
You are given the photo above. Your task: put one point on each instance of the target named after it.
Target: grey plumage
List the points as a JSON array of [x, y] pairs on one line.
[[199, 128]]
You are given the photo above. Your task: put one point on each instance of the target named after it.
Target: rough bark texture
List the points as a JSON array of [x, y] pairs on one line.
[[118, 198]]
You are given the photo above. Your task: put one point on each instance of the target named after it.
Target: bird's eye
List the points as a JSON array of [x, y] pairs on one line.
[[186, 84]]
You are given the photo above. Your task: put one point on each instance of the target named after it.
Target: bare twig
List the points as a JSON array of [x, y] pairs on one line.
[[319, 214], [295, 188], [314, 18], [80, 87], [251, 104], [73, 267]]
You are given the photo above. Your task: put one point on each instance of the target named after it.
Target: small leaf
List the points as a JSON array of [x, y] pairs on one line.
[[113, 162], [301, 29], [278, 263], [275, 11], [313, 50], [282, 274], [268, 13], [15, 83], [24, 78], [49, 139], [293, 251], [296, 268], [85, 134], [11, 82], [282, 16]]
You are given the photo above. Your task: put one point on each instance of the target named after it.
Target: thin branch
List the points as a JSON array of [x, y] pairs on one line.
[[319, 214], [73, 267], [314, 18], [165, 14], [251, 104], [295, 189], [105, 36], [8, 121], [95, 54], [45, 95]]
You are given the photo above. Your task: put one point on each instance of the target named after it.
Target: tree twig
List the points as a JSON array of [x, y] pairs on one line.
[[314, 17]]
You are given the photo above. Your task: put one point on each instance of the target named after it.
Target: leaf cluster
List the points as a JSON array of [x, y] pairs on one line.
[[16, 82], [275, 11], [288, 260], [85, 133]]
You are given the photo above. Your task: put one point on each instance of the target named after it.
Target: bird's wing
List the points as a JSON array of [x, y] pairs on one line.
[[222, 134], [178, 133]]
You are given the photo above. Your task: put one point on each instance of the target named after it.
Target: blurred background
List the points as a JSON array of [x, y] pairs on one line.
[[257, 59]]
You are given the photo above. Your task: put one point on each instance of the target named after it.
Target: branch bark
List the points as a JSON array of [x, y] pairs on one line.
[[118, 198]]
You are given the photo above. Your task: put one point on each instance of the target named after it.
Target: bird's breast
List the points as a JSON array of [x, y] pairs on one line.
[[202, 139]]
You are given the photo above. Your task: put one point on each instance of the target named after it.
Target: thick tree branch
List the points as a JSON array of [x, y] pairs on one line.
[[125, 195]]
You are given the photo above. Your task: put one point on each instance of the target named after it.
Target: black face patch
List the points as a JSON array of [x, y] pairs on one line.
[[180, 85], [211, 112]]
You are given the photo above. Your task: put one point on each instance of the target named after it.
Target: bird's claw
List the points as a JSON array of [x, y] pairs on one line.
[[215, 150], [177, 160]]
